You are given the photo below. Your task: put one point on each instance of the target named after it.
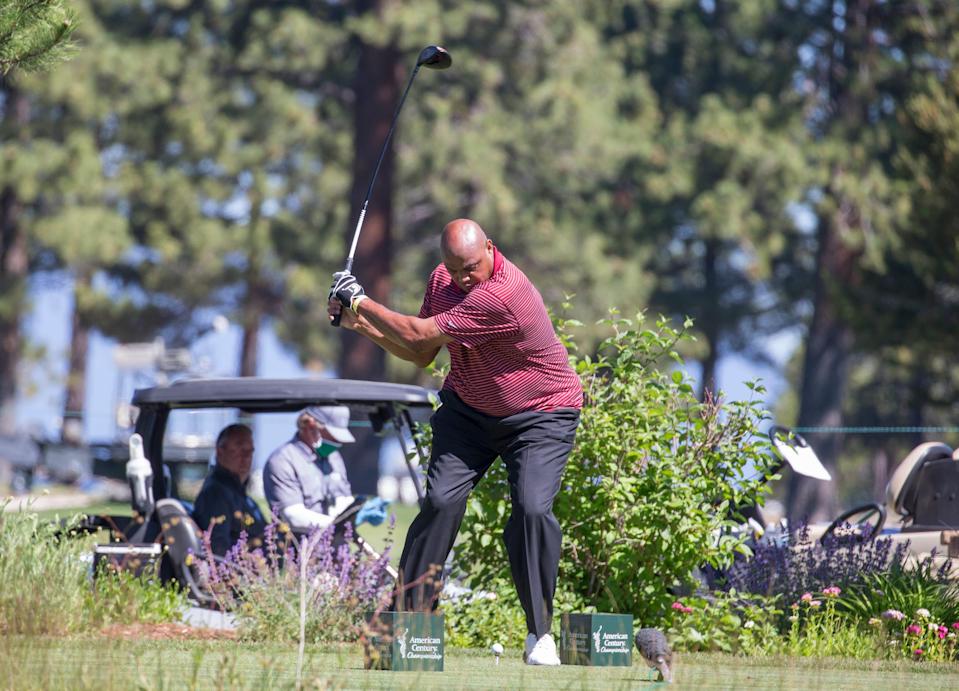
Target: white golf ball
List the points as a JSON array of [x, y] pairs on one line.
[[497, 649]]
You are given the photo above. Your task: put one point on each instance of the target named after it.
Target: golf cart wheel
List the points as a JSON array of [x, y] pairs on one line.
[[864, 530]]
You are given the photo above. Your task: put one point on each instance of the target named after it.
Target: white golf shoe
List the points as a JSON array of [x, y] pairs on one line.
[[541, 652], [528, 647]]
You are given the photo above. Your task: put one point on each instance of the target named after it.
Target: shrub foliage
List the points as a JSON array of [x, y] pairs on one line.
[[649, 484]]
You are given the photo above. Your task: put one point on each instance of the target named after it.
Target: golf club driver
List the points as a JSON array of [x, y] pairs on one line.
[[435, 58]]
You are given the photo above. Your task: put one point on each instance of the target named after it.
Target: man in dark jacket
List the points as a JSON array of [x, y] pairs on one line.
[[223, 501]]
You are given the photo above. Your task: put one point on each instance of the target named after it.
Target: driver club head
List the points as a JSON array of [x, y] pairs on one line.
[[434, 57]]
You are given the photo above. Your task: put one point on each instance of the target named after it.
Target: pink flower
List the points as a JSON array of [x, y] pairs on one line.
[[943, 631], [955, 625], [806, 597], [678, 606], [914, 629], [918, 652], [832, 591], [815, 603], [687, 610]]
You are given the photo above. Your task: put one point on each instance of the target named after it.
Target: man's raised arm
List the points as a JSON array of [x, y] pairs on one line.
[[408, 338]]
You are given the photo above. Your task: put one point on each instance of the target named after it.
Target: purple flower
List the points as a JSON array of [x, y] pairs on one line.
[[343, 582]]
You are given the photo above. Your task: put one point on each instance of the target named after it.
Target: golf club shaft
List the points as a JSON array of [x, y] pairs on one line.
[[348, 267]]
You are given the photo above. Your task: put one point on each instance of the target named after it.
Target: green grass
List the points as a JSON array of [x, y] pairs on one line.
[[378, 535], [110, 508], [78, 663]]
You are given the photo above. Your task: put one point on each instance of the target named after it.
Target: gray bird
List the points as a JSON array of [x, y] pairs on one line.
[[654, 648]]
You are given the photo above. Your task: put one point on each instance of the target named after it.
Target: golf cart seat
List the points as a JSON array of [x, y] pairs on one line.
[[183, 540], [924, 489]]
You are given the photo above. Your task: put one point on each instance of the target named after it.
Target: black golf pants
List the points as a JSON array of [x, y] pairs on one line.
[[534, 445]]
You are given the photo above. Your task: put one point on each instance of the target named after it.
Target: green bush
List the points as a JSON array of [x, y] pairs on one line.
[[493, 614], [479, 619], [648, 484]]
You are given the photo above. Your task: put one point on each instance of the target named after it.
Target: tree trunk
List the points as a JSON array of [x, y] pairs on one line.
[[880, 474], [13, 272], [851, 92], [918, 392], [709, 322], [249, 348], [257, 300], [377, 87], [825, 371], [73, 406]]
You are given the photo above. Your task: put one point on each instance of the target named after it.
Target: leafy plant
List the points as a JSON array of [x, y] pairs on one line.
[[905, 588], [477, 619], [121, 596], [817, 629], [649, 484], [726, 622], [926, 638]]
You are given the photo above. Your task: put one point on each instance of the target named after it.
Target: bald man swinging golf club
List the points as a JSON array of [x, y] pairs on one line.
[[510, 393]]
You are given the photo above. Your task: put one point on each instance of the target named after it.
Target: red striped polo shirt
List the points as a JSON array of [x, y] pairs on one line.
[[505, 357]]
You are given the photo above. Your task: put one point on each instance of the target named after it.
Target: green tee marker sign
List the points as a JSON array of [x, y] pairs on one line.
[[405, 642], [597, 640]]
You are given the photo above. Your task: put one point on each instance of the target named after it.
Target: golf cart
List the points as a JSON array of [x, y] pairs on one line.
[[160, 528], [921, 505]]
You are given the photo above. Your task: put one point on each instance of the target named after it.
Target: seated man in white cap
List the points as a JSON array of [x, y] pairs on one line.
[[305, 479]]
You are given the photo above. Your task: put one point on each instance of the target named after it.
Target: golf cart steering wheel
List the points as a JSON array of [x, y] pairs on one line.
[[862, 530]]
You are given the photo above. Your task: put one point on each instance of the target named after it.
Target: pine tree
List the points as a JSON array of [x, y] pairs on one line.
[[35, 34], [857, 62], [728, 165]]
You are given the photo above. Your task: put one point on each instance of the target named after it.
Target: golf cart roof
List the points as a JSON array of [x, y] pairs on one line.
[[254, 394]]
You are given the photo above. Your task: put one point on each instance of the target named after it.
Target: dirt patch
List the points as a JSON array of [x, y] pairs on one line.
[[168, 631]]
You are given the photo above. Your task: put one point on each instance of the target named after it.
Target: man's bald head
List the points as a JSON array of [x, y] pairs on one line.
[[460, 237], [467, 253]]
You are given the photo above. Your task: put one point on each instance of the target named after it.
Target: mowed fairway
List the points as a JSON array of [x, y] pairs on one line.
[[98, 663]]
